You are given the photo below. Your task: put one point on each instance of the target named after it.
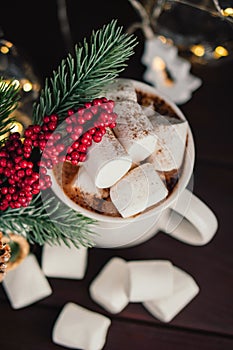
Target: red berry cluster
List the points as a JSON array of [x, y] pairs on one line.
[[37, 136], [19, 182], [19, 176], [88, 124]]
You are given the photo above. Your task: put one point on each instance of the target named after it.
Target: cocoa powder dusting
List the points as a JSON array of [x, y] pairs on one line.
[[145, 99]]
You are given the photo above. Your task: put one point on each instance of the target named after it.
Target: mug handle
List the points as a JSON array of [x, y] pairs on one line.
[[189, 220]]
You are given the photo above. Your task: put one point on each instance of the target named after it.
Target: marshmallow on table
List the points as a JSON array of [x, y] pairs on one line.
[[107, 161], [26, 284], [139, 189], [172, 134], [150, 279], [120, 89], [134, 130], [110, 287], [166, 308], [63, 261], [79, 328]]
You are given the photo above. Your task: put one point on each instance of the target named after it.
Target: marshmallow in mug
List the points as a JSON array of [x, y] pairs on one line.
[[139, 189], [107, 161], [120, 90], [134, 130], [170, 147], [88, 193], [84, 183]]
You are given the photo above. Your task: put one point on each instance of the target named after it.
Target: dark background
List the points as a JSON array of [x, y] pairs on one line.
[[34, 27], [205, 324]]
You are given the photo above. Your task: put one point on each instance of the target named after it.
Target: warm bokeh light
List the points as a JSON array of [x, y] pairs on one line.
[[8, 44], [4, 49], [162, 38], [158, 63], [198, 50], [227, 12], [27, 86], [220, 51]]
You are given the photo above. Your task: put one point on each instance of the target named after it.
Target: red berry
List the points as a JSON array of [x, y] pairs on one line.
[[37, 128], [81, 120], [82, 148], [97, 139], [54, 118], [46, 119], [52, 126], [97, 102], [23, 164], [75, 155], [87, 104], [75, 144], [69, 128], [70, 112], [4, 190], [82, 157], [87, 115], [27, 142]]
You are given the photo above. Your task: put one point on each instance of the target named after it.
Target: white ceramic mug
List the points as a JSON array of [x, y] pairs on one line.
[[182, 215]]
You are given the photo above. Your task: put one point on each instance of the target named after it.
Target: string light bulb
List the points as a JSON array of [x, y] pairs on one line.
[[227, 12], [17, 70], [220, 51], [198, 50]]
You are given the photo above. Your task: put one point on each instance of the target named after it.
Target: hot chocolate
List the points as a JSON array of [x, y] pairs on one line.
[[156, 148]]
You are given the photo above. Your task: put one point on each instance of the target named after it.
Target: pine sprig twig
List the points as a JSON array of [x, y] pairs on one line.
[[48, 220], [81, 78], [9, 96]]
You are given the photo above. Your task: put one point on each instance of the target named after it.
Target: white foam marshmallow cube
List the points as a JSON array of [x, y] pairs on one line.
[[166, 308], [110, 287], [61, 261], [170, 147], [26, 284], [150, 279], [120, 90], [134, 130], [107, 161], [79, 328], [85, 184], [139, 189]]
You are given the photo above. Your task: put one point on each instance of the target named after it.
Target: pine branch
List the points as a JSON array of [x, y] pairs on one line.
[[9, 96], [48, 220], [81, 78]]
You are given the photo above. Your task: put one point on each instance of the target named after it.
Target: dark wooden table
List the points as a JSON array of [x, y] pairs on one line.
[[207, 322]]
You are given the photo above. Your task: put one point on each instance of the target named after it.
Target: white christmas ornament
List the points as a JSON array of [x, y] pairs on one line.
[[168, 72]]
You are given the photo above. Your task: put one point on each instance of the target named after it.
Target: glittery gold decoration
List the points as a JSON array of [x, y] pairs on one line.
[[19, 248], [5, 254]]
